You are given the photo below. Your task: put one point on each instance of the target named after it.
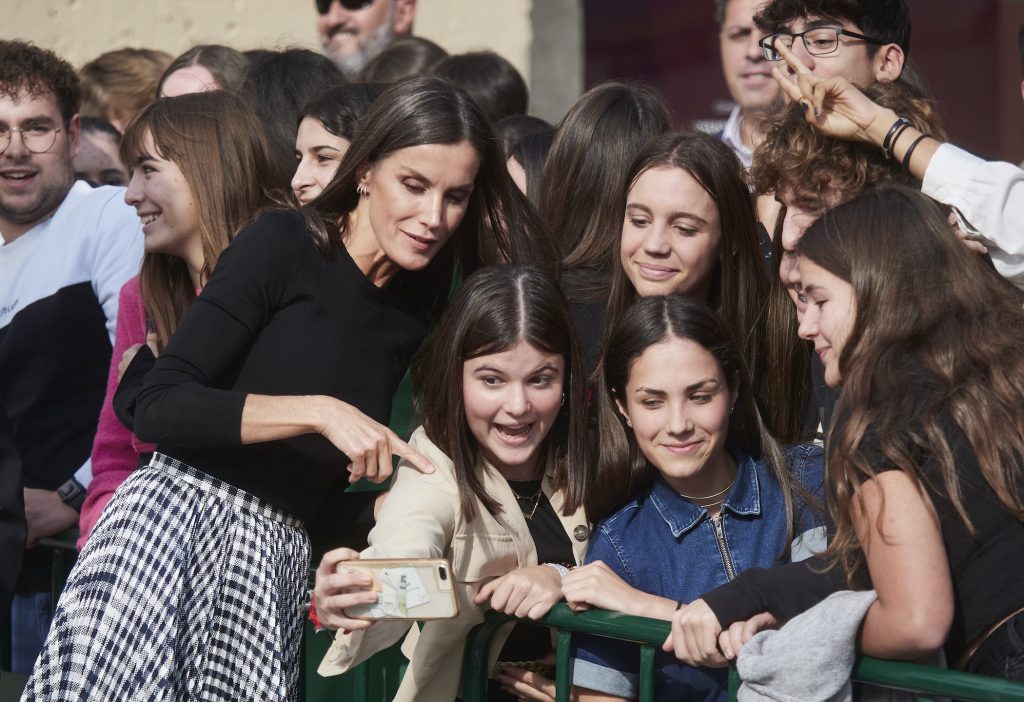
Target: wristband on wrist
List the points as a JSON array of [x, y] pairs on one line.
[[562, 570], [910, 151], [892, 135], [72, 493]]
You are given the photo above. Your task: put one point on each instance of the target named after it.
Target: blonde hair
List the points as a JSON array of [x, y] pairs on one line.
[[118, 84]]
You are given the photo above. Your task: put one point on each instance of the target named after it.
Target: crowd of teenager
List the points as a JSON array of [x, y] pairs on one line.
[[756, 382]]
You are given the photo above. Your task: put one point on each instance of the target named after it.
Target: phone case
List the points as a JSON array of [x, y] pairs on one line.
[[412, 588]]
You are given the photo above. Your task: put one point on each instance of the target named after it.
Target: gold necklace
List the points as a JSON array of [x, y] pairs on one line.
[[534, 498], [708, 497]]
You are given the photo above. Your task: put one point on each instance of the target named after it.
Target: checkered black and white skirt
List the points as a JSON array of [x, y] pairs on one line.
[[187, 589]]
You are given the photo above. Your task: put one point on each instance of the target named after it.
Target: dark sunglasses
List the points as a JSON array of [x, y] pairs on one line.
[[323, 6]]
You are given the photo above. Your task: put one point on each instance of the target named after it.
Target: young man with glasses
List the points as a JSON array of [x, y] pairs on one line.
[[354, 31], [65, 251], [864, 41]]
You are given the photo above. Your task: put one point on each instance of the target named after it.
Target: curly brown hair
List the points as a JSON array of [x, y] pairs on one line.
[[818, 172], [797, 159], [25, 68]]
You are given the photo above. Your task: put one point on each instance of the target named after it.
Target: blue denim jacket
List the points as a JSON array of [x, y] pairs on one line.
[[662, 544]]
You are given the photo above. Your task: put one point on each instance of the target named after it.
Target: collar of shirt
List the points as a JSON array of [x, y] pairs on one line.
[[734, 140], [681, 515]]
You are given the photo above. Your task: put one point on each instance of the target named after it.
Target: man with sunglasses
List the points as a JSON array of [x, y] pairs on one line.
[[65, 251], [354, 31], [864, 41]]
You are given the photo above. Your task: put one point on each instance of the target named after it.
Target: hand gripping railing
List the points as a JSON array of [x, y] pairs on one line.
[[926, 681]]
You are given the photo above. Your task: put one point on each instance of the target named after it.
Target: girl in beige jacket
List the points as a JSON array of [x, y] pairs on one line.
[[502, 393]]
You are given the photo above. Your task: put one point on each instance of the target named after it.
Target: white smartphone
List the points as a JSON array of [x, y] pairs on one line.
[[411, 588]]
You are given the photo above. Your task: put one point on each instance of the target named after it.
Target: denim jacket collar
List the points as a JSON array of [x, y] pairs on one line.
[[682, 515]]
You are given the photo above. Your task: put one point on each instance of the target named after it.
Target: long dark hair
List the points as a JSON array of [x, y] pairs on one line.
[[277, 85], [220, 148], [340, 109], [922, 303], [495, 309], [622, 470], [586, 171], [502, 225], [738, 288]]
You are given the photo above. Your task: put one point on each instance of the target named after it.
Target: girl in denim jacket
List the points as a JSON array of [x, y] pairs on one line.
[[695, 490]]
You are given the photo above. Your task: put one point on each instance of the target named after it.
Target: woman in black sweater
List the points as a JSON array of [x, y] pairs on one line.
[[278, 378], [925, 474]]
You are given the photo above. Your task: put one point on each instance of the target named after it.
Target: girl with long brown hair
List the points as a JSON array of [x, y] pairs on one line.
[[501, 390], [925, 476], [688, 227], [581, 185], [183, 241]]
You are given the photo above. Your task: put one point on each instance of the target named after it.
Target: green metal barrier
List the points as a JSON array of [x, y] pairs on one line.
[[648, 633], [926, 682]]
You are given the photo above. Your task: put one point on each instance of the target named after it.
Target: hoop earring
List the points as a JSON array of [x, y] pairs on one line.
[[562, 403], [362, 191]]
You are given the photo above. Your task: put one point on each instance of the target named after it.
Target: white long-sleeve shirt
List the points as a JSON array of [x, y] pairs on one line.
[[989, 197]]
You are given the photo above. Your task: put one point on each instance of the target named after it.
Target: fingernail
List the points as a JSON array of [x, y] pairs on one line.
[[365, 580], [345, 632]]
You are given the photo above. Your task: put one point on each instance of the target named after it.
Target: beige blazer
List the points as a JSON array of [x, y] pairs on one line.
[[421, 519]]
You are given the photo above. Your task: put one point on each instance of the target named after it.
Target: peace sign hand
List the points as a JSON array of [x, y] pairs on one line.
[[833, 105]]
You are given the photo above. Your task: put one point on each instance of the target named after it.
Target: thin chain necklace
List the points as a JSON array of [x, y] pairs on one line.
[[534, 498], [708, 497]]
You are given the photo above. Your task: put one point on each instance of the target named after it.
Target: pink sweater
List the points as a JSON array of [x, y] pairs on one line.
[[115, 450]]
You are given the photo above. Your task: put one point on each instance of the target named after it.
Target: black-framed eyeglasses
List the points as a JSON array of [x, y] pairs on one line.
[[324, 6], [38, 137], [820, 41]]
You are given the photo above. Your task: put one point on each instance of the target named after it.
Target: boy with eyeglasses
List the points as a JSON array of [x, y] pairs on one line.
[[65, 251], [354, 31], [864, 41]]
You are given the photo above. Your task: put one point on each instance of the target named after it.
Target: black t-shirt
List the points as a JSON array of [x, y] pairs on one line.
[[527, 642], [986, 568], [276, 318]]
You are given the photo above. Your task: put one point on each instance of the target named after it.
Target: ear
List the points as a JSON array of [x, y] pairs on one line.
[[363, 174], [734, 392], [888, 63], [74, 133], [1022, 88], [622, 409], [403, 16]]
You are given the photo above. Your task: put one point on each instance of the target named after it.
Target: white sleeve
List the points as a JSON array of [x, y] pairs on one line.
[[989, 199], [116, 254]]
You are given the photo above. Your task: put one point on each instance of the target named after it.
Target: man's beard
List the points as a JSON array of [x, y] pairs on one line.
[[352, 64]]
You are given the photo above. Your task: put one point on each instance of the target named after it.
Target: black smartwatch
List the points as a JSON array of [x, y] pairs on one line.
[[72, 493]]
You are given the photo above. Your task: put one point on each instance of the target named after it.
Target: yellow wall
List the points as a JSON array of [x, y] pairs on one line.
[[80, 30]]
